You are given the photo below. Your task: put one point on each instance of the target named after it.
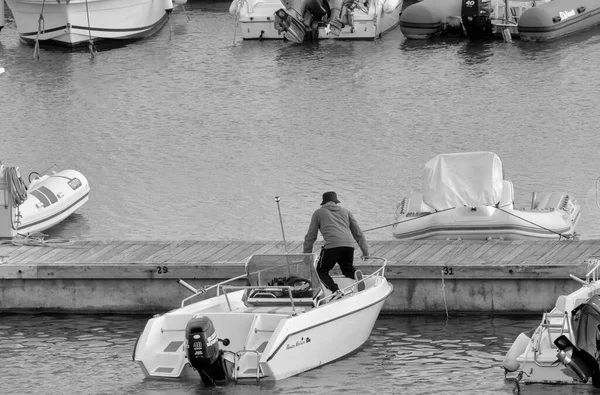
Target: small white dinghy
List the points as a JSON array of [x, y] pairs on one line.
[[565, 347], [465, 196], [48, 200], [281, 323]]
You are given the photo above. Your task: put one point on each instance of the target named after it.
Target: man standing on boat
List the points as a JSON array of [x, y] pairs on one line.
[[339, 229]]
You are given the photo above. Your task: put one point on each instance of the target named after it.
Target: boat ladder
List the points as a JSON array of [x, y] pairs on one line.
[[247, 360], [558, 329]]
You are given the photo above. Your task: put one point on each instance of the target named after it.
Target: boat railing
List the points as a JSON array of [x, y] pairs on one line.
[[225, 285], [349, 290]]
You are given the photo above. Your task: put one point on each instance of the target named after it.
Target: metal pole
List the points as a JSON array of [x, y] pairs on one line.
[[277, 199]]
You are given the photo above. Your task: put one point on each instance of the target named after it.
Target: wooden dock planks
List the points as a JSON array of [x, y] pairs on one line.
[[430, 252]]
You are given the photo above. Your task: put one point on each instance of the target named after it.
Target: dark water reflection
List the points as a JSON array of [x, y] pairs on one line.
[[80, 354]]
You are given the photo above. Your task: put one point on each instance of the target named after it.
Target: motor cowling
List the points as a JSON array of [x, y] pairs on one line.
[[203, 349]]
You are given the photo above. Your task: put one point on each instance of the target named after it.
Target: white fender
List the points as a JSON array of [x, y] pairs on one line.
[[390, 5], [518, 347], [234, 7]]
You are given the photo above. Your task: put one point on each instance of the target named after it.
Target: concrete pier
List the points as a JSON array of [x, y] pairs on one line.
[[428, 276]]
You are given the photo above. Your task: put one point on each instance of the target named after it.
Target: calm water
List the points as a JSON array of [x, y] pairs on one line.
[[50, 355], [192, 133]]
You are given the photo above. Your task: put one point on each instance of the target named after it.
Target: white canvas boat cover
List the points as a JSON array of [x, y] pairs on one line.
[[463, 179]]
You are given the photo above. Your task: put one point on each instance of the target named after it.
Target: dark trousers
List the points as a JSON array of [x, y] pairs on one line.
[[343, 256]]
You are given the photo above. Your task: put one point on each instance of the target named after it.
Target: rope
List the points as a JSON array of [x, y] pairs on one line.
[[16, 186], [400, 222], [444, 293], [36, 240], [91, 41], [36, 48]]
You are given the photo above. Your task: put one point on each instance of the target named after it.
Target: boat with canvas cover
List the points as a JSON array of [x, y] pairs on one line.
[[465, 196], [48, 200], [565, 347], [72, 23], [310, 20], [280, 322]]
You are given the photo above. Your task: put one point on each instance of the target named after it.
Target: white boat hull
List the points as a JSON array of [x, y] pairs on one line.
[[75, 22], [50, 199], [266, 342], [488, 222]]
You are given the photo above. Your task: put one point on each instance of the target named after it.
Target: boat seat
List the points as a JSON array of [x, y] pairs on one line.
[[507, 198]]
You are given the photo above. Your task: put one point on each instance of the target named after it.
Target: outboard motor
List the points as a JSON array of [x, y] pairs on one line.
[[203, 350], [299, 19], [582, 359], [477, 18]]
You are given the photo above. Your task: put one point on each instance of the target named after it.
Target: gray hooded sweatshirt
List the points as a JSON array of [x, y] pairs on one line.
[[338, 227]]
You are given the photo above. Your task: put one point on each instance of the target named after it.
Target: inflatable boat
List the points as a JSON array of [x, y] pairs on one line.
[[558, 18], [465, 196], [48, 200], [563, 349]]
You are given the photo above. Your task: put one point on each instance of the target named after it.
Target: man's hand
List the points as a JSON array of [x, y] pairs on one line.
[[364, 257]]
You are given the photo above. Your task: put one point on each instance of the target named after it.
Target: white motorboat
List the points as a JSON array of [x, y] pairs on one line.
[[465, 196], [565, 347], [282, 322], [311, 20], [78, 22], [48, 200]]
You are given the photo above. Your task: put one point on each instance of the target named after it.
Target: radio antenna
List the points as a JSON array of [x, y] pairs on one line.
[[277, 199]]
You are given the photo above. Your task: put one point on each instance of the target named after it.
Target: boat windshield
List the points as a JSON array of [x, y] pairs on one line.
[[283, 270]]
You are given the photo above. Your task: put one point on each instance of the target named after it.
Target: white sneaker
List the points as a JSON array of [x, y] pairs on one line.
[[360, 284]]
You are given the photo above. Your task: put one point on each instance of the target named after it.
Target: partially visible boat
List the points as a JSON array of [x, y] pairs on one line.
[[45, 202], [275, 321], [564, 347], [256, 18], [82, 22], [431, 18], [558, 18], [465, 196], [310, 20]]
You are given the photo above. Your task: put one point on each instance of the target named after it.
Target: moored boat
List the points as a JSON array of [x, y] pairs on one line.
[[280, 323], [465, 196], [563, 349], [48, 200], [310, 20], [558, 18], [81, 22]]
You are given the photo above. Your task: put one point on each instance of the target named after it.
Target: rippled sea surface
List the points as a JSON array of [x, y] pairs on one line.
[[192, 133], [78, 354]]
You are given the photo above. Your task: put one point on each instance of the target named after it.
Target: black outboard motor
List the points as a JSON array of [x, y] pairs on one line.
[[203, 350], [476, 17], [582, 359]]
